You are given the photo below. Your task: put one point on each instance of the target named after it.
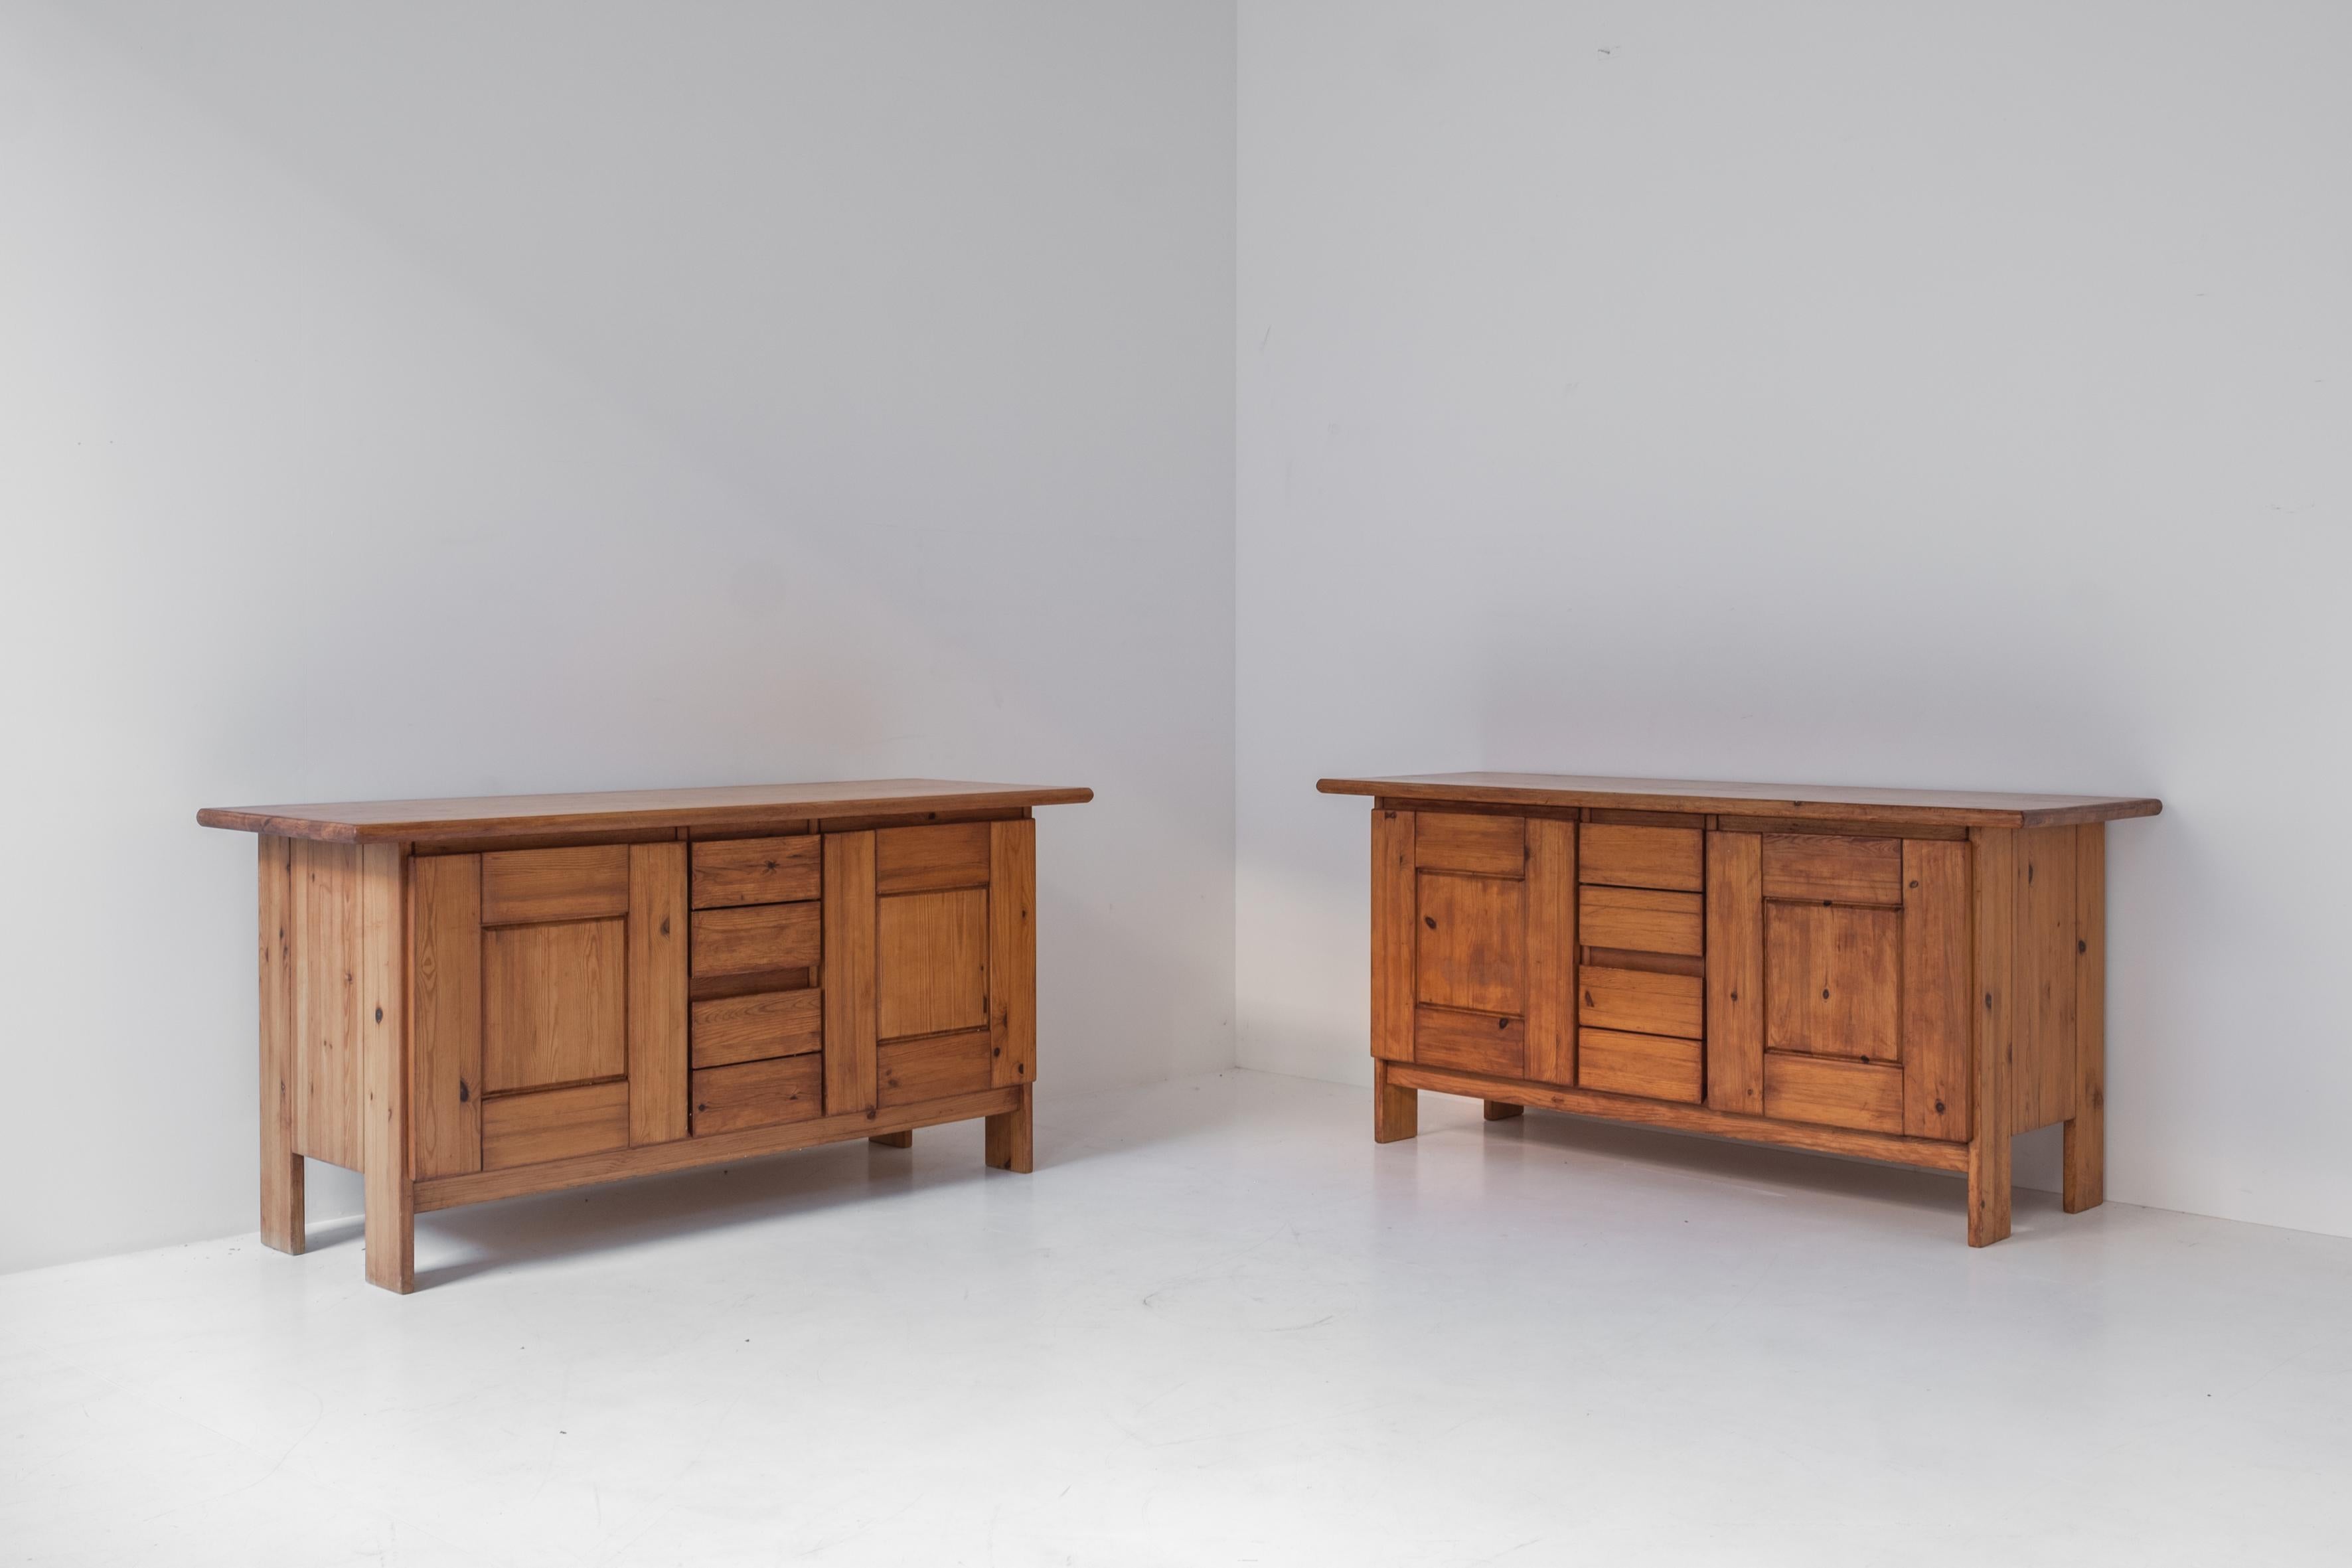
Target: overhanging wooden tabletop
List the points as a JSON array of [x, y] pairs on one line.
[[1842, 803], [752, 806]]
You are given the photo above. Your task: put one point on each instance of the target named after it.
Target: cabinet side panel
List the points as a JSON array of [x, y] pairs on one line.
[[656, 1006], [2086, 1134], [326, 1001], [1934, 1048], [1992, 1004], [1735, 973], [1551, 950], [2042, 1086], [281, 1167], [1392, 932], [850, 1014], [445, 994], [383, 948], [1012, 951]]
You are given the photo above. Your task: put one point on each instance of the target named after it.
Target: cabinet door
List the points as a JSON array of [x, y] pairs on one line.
[[1837, 977], [548, 996]]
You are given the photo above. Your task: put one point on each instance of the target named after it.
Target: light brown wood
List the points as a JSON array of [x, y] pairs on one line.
[[1840, 869], [1834, 1091], [657, 987], [1394, 921], [930, 859], [1935, 1012], [729, 872], [1408, 1076], [1012, 951], [1640, 920], [1641, 1002], [555, 1004], [326, 880], [617, 1164], [756, 1026], [1470, 950], [1010, 1140], [751, 808], [1691, 821], [1993, 888], [2041, 1079], [1965, 809], [2084, 1181], [934, 1066], [282, 1198], [1744, 824], [1734, 974], [554, 1124], [1624, 857], [758, 1094], [445, 981], [1484, 844], [1650, 1064], [389, 1198], [850, 1065], [875, 823], [1500, 1110], [931, 963], [1396, 1110], [761, 937], [902, 1139], [1473, 1042], [590, 882], [1551, 941], [1832, 980]]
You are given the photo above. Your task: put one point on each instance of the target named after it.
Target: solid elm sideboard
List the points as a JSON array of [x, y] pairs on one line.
[[1906, 976], [473, 999]]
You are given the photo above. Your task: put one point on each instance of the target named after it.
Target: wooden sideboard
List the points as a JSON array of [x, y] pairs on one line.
[[1907, 975], [472, 999]]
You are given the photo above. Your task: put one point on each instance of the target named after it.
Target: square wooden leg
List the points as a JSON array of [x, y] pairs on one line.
[[1988, 1188], [1012, 1146], [281, 1168], [2085, 1178], [282, 1223], [905, 1140], [1396, 1112], [1503, 1111], [390, 1195]]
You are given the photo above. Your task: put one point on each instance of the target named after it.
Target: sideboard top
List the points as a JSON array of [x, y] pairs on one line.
[[623, 811], [1844, 803]]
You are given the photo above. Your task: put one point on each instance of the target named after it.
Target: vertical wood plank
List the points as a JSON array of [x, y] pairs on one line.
[[1010, 1139], [1994, 851], [281, 1167], [658, 993], [2043, 1082], [382, 991], [1393, 933], [326, 1002], [851, 1015], [1012, 951], [1735, 973], [1396, 1110], [2085, 1178], [446, 1028], [1551, 950], [1936, 980]]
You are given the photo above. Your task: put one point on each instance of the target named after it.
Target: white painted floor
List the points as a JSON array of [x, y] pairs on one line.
[[1218, 1325]]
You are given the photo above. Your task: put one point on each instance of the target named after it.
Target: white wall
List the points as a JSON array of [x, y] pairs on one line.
[[1935, 396], [406, 400]]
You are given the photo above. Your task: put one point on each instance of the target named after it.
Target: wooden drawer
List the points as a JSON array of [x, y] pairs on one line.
[[1652, 1066], [1470, 945], [1642, 1002], [579, 884], [1832, 980], [1822, 868], [730, 872], [751, 1029], [1470, 1042], [554, 1124], [1463, 841], [1620, 856], [758, 1094], [1834, 1093], [1642, 920], [935, 1066], [931, 859], [766, 936]]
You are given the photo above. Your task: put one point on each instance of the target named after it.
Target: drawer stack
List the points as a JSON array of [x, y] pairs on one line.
[[756, 1023], [1642, 936]]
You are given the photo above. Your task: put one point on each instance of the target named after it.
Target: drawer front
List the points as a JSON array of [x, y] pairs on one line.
[[767, 936], [730, 872], [1865, 1095], [1625, 857], [750, 1028], [585, 883], [934, 1068], [1832, 982], [1472, 842], [554, 1124], [555, 1004], [1470, 945], [931, 859], [1824, 868], [758, 1094], [931, 963], [1652, 1066], [1642, 920], [1641, 1002], [1470, 1042]]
